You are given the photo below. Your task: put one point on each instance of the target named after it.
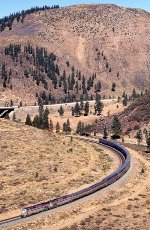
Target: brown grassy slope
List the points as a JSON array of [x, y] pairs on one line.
[[123, 206], [88, 36], [36, 166]]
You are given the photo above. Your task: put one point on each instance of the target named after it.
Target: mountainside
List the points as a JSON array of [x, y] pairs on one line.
[[138, 113], [105, 43]]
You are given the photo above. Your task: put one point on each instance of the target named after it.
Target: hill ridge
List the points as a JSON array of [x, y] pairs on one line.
[[94, 40]]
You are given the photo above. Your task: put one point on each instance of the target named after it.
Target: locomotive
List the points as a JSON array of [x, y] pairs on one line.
[[126, 160]]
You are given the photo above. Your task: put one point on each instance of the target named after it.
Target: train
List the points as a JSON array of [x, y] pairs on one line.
[[50, 204]]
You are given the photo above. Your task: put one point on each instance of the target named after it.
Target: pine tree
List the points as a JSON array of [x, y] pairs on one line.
[[77, 110], [68, 128], [80, 127], [28, 120], [11, 103], [41, 109], [77, 87], [4, 84], [57, 127], [35, 122], [116, 127], [72, 111], [81, 103], [113, 88], [105, 132], [64, 127], [134, 94], [86, 108], [46, 119], [61, 111], [125, 101], [139, 136], [98, 86], [98, 105], [83, 85], [65, 86]]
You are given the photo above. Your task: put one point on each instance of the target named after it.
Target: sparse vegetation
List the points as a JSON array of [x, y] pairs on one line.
[[7, 21]]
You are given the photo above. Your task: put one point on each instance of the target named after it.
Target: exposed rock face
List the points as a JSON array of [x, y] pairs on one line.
[[108, 40]]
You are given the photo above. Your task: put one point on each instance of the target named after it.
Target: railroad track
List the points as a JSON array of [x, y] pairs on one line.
[[125, 164], [9, 220]]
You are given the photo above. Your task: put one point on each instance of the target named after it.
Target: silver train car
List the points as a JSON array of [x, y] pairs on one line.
[[126, 160]]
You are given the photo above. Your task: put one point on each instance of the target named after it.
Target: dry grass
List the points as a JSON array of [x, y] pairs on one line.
[[122, 207], [36, 166]]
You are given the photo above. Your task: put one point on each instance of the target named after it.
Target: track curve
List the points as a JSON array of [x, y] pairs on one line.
[[126, 160]]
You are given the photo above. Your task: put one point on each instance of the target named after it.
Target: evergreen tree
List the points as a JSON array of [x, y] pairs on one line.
[[139, 136], [134, 94], [86, 109], [125, 101], [116, 126], [72, 111], [88, 129], [64, 127], [83, 85], [4, 84], [77, 87], [57, 127], [105, 132], [80, 127], [28, 120], [81, 104], [68, 128], [77, 109], [61, 111], [113, 88], [11, 103], [98, 86], [98, 105], [41, 109], [65, 86], [41, 121], [46, 119], [35, 122]]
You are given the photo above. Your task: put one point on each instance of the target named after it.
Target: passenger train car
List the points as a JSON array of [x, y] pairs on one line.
[[125, 156]]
